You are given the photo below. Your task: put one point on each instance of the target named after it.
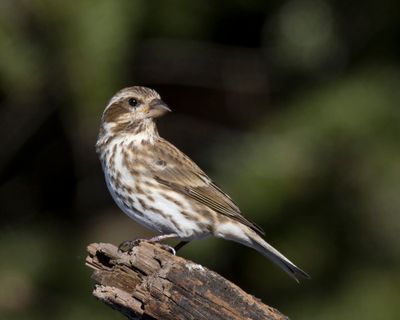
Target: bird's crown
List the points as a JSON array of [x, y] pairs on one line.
[[143, 92]]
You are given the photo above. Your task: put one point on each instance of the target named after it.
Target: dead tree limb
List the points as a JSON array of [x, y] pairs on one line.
[[151, 283]]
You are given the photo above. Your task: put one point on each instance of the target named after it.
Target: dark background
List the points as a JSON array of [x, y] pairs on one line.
[[291, 106]]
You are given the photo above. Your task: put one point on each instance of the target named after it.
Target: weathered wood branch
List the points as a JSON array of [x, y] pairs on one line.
[[151, 283]]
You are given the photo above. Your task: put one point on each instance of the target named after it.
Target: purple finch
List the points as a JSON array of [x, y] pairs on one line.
[[160, 187]]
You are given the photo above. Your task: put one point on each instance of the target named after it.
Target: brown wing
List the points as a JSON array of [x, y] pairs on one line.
[[177, 171]]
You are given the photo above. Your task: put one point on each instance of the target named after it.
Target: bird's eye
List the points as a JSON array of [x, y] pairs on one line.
[[133, 102]]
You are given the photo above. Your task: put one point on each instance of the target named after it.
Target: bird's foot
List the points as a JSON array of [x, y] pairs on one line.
[[128, 245], [167, 248]]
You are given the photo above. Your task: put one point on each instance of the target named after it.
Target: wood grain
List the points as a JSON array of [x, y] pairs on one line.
[[151, 283]]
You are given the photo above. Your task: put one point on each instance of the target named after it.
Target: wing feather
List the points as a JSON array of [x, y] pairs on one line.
[[182, 175]]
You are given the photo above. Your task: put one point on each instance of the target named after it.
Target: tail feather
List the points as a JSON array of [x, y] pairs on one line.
[[248, 237], [278, 258]]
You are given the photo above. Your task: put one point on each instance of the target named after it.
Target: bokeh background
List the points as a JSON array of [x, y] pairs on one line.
[[291, 106]]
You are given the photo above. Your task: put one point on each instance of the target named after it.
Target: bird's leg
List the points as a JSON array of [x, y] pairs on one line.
[[162, 237], [129, 244], [180, 245]]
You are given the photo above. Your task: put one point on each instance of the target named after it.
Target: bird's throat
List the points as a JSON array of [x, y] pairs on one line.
[[133, 133]]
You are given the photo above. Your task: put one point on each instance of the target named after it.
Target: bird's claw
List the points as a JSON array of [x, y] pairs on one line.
[[128, 245], [167, 248]]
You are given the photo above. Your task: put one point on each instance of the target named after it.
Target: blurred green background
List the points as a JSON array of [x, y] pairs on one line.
[[291, 106]]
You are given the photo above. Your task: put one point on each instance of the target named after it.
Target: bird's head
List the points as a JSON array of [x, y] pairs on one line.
[[132, 107]]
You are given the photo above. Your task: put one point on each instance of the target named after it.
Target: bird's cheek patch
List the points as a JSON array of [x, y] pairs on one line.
[[114, 113]]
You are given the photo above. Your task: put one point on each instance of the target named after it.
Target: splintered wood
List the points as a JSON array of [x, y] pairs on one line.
[[151, 283]]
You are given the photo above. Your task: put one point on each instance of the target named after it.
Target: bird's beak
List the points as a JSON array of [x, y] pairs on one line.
[[157, 108]]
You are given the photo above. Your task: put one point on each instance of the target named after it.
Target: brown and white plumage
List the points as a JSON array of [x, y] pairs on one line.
[[160, 187]]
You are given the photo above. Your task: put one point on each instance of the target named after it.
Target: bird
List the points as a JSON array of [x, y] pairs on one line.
[[161, 188]]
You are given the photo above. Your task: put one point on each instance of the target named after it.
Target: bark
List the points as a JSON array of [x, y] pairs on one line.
[[151, 283]]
